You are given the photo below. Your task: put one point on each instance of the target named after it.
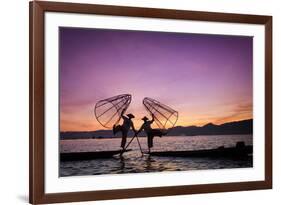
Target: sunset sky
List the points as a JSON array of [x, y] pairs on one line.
[[206, 78]]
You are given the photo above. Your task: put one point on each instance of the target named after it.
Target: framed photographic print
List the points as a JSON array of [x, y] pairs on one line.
[[138, 102]]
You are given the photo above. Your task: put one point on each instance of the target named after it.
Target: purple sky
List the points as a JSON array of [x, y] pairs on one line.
[[207, 78]]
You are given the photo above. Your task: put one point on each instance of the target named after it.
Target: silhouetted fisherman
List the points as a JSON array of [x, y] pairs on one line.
[[125, 127], [151, 133]]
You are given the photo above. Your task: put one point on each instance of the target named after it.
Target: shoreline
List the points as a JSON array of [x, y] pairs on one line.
[[130, 137]]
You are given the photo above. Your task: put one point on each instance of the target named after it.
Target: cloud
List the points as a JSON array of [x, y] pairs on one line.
[[238, 112]]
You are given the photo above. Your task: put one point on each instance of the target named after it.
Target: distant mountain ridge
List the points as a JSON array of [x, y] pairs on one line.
[[237, 127]]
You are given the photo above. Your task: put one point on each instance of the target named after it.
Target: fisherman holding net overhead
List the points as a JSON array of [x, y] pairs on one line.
[[151, 133], [107, 113], [125, 127]]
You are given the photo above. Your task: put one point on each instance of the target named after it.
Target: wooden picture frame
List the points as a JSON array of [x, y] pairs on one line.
[[37, 11]]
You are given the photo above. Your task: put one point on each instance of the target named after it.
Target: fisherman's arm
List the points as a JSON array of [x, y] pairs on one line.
[[152, 119], [122, 113]]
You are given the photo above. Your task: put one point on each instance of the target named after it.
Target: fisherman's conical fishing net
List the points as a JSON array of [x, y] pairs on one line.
[[164, 116], [108, 111]]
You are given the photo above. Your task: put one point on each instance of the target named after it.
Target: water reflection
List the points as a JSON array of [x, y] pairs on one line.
[[133, 162]]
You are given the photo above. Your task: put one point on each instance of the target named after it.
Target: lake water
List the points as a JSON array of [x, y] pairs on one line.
[[132, 162]]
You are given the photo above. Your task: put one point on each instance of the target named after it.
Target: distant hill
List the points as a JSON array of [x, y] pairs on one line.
[[238, 127], [92, 134]]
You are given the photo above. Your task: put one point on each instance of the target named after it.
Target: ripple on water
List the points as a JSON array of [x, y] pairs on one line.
[[132, 162]]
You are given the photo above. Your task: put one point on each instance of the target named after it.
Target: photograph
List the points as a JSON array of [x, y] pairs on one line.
[[133, 101]]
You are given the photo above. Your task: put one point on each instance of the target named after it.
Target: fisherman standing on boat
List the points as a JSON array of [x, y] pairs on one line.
[[151, 133], [125, 127]]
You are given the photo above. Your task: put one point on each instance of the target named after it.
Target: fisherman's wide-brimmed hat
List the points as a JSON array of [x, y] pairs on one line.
[[144, 118], [131, 115]]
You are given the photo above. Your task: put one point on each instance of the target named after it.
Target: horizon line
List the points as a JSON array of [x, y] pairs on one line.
[[173, 127]]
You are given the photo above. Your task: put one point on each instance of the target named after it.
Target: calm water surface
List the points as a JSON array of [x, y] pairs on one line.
[[132, 162]]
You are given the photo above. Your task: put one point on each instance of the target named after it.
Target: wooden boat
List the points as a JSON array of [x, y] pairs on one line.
[[74, 156], [232, 152]]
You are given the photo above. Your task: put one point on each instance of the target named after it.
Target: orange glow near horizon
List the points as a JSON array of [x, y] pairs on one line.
[[67, 126], [87, 122]]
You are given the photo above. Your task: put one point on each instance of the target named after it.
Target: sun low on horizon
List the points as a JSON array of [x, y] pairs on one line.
[[206, 78]]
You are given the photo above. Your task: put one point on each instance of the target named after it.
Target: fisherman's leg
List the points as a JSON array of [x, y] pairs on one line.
[[164, 132], [116, 129], [149, 142], [124, 139], [123, 142], [158, 132]]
